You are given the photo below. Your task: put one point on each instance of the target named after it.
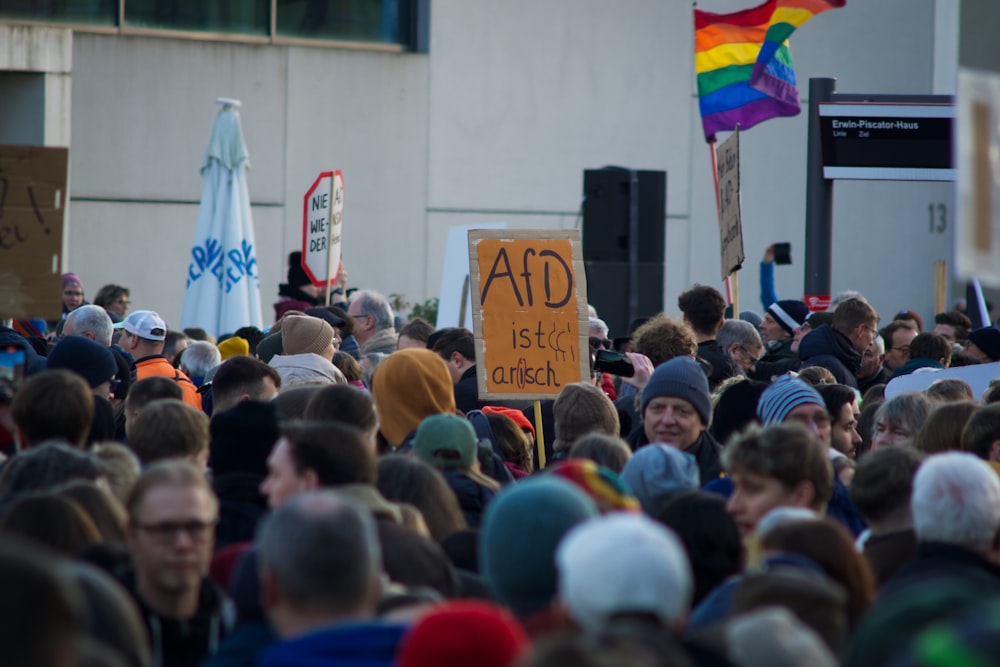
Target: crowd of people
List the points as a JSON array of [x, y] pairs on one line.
[[334, 490]]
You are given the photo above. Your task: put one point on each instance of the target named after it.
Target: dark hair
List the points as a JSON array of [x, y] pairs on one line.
[[735, 409], [170, 341], [884, 481], [348, 365], [514, 443], [850, 313], [103, 509], [418, 329], [836, 396], [817, 376], [709, 534], [339, 454], [704, 307], [150, 389], [866, 424], [450, 341], [349, 322], [981, 431], [344, 404], [46, 466], [992, 394], [54, 522], [169, 429], [929, 345], [786, 452], [108, 294], [39, 617], [55, 404], [962, 324], [949, 390], [829, 545], [252, 335], [405, 479], [241, 375], [197, 333], [608, 451], [942, 430], [889, 330]]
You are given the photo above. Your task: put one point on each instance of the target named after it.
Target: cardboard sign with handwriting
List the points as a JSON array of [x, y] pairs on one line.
[[730, 209], [32, 211], [529, 312]]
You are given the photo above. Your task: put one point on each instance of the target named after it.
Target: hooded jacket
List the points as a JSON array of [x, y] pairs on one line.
[[363, 644], [832, 350], [292, 298], [306, 368], [384, 341]]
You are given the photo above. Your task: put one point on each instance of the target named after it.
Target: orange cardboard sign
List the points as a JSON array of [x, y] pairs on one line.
[[529, 312], [32, 208]]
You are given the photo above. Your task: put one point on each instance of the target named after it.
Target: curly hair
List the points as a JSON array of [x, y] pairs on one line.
[[662, 338]]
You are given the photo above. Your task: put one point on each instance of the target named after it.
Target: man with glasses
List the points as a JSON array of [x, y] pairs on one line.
[[897, 336], [742, 341], [838, 346], [375, 329], [172, 513]]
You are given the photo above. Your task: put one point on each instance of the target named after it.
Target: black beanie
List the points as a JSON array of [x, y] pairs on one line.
[[296, 274], [242, 438]]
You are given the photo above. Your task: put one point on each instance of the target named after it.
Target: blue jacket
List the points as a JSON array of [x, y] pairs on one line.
[[371, 644], [827, 347]]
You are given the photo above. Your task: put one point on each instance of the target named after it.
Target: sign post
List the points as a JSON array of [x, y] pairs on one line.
[[322, 223], [32, 212], [529, 310]]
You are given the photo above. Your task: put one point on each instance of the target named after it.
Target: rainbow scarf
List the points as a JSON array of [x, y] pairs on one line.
[[744, 67]]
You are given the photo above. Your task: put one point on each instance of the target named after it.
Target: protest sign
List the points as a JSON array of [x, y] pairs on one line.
[[529, 312], [730, 211], [322, 224]]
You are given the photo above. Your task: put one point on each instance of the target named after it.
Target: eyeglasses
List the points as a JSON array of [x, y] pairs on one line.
[[753, 359], [905, 349], [166, 532]]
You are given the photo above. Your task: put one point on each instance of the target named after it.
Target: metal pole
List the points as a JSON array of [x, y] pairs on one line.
[[819, 197], [633, 244]]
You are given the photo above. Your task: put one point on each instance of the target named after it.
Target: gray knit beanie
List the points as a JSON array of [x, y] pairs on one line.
[[681, 377]]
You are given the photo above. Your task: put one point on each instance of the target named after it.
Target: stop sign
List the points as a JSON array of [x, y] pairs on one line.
[[322, 211]]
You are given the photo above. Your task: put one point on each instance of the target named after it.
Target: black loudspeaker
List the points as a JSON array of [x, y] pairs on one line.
[[624, 228]]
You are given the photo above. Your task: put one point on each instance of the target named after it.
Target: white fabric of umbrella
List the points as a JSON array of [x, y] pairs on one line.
[[223, 284]]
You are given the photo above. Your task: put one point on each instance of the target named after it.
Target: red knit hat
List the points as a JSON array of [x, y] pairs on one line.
[[515, 415], [463, 633]]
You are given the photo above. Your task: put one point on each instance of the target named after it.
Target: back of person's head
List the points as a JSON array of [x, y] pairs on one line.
[[51, 521], [883, 483], [252, 335], [40, 617], [56, 404], [92, 319], [957, 319], [599, 580], [851, 313], [46, 466], [150, 389], [662, 338], [292, 401], [120, 466], [107, 513], [170, 429], [450, 341], [337, 453], [344, 404], [371, 303], [816, 376], [242, 378], [514, 443], [417, 329], [950, 390], [942, 430], [320, 554], [111, 615], [517, 543], [608, 451], [409, 386], [956, 500], [348, 365], [196, 333], [703, 307], [981, 431], [200, 358], [929, 345], [407, 479], [657, 471], [709, 534], [464, 632], [735, 408], [582, 409], [785, 452]]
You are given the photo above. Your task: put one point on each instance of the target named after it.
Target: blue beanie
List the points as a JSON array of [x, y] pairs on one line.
[[782, 397], [657, 471], [789, 313], [89, 359], [521, 529], [680, 377]]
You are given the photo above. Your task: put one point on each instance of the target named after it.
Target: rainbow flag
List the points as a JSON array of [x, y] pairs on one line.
[[744, 67]]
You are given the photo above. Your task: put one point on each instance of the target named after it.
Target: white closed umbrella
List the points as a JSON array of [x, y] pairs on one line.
[[223, 284]]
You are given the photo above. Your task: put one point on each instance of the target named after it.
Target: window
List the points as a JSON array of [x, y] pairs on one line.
[[97, 12], [248, 17]]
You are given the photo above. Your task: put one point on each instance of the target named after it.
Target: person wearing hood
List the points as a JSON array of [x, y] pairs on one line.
[[308, 348], [838, 346], [298, 293]]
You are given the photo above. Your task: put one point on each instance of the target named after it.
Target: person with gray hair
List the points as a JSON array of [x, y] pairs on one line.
[[199, 360], [91, 322], [374, 330], [956, 517], [319, 564], [899, 419], [742, 342]]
